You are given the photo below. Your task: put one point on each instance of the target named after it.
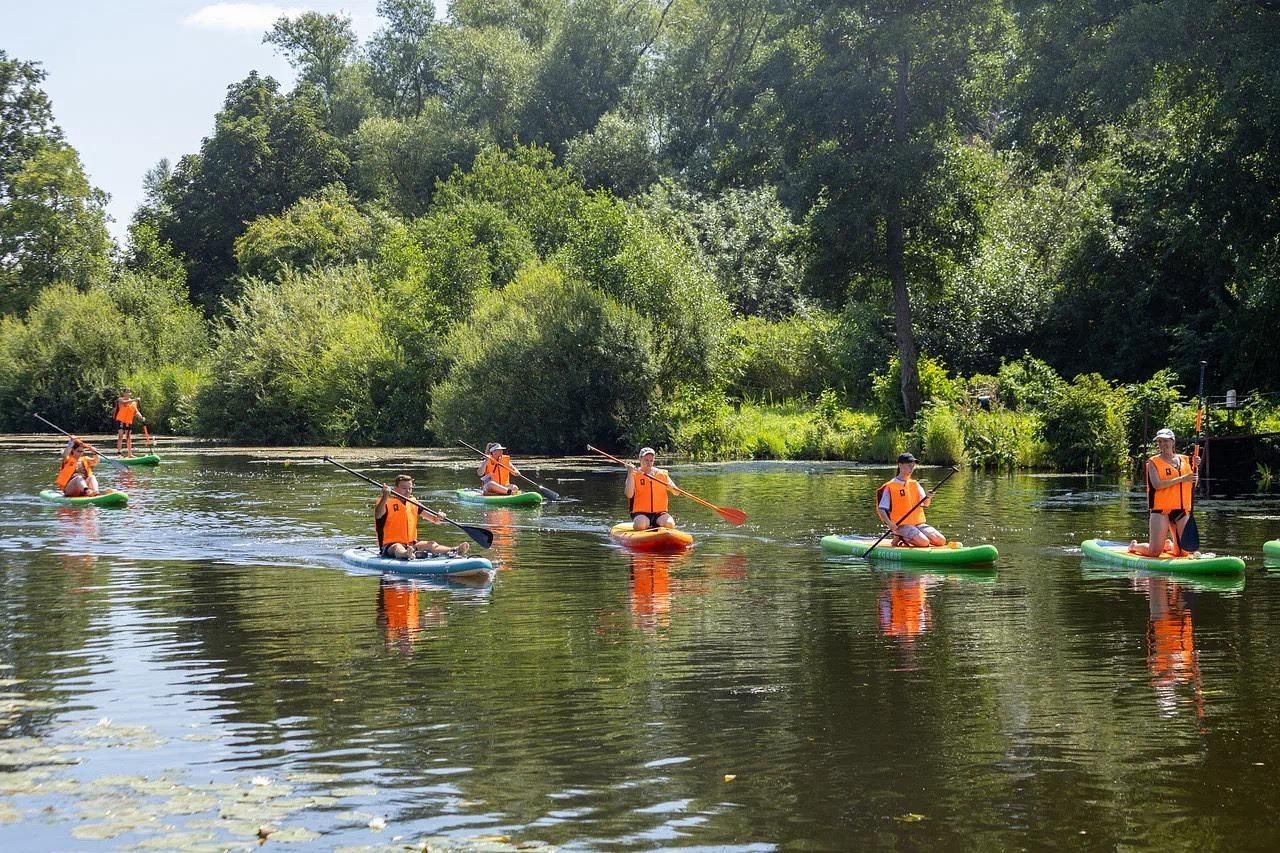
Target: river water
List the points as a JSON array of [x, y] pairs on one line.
[[199, 668]]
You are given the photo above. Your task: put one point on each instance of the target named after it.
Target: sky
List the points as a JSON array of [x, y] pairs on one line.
[[133, 81]]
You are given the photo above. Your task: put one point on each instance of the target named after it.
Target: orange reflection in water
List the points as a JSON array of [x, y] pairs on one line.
[[502, 523], [1172, 660], [903, 606], [650, 590], [400, 616]]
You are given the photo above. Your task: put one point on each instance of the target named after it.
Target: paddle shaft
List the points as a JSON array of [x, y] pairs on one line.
[[730, 514], [482, 536], [546, 493], [918, 503], [101, 455]]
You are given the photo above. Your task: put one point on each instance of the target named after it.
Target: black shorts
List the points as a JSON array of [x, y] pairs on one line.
[[652, 516], [121, 426], [385, 552]]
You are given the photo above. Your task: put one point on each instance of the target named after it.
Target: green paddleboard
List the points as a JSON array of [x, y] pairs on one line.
[[1117, 553], [951, 554], [112, 498], [149, 459], [473, 496]]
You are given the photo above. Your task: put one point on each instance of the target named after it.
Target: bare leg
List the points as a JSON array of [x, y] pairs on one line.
[[1157, 533], [640, 522], [665, 520]]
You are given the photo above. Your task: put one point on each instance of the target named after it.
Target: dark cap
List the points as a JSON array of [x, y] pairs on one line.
[[906, 457]]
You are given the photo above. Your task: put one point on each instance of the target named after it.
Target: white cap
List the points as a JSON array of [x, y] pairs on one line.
[[1165, 433], [645, 450]]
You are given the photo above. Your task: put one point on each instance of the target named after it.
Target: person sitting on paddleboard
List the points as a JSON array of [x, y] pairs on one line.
[[894, 504], [1170, 478], [395, 520], [126, 411], [646, 492], [496, 470], [76, 478]]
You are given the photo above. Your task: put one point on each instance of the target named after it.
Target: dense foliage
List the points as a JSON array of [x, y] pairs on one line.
[[830, 228]]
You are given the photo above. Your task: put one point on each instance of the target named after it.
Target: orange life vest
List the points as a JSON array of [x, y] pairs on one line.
[[650, 495], [125, 412], [498, 470], [399, 524], [1177, 496], [902, 497], [67, 471]]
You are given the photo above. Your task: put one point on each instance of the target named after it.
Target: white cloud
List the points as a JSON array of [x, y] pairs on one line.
[[239, 16]]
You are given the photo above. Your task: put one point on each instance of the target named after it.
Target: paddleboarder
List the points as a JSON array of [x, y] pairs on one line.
[[646, 491], [125, 413], [900, 504], [1170, 478], [496, 470], [395, 522]]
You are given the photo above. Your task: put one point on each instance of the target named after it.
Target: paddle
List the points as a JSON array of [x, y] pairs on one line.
[[151, 442], [1190, 539], [542, 490], [936, 486], [82, 441], [482, 536], [730, 514]]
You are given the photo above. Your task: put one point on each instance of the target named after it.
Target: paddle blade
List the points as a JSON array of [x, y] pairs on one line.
[[483, 537], [1191, 535], [548, 494], [733, 515]]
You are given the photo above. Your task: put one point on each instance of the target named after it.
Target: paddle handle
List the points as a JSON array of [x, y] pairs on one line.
[[102, 455], [907, 514]]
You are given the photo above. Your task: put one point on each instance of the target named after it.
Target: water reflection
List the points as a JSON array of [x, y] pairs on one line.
[[903, 606], [503, 550], [1171, 646], [649, 598]]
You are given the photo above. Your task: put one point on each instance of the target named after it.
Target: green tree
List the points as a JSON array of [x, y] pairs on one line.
[[26, 118], [322, 230], [266, 152], [317, 45], [533, 20], [588, 64], [399, 161], [304, 359], [486, 74], [866, 101], [403, 57], [616, 155], [620, 252], [573, 366], [52, 228], [746, 238]]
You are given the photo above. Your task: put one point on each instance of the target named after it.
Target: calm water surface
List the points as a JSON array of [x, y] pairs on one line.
[[200, 665]]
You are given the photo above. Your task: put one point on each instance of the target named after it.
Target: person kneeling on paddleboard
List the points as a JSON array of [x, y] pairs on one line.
[[646, 492], [395, 521], [496, 470], [1170, 478], [900, 504], [76, 478]]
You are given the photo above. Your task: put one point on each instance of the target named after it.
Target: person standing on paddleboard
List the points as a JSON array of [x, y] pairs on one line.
[[646, 492], [496, 470], [126, 411], [900, 504], [1170, 478], [395, 522]]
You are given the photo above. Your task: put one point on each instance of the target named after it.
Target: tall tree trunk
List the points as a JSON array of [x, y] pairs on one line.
[[895, 251]]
